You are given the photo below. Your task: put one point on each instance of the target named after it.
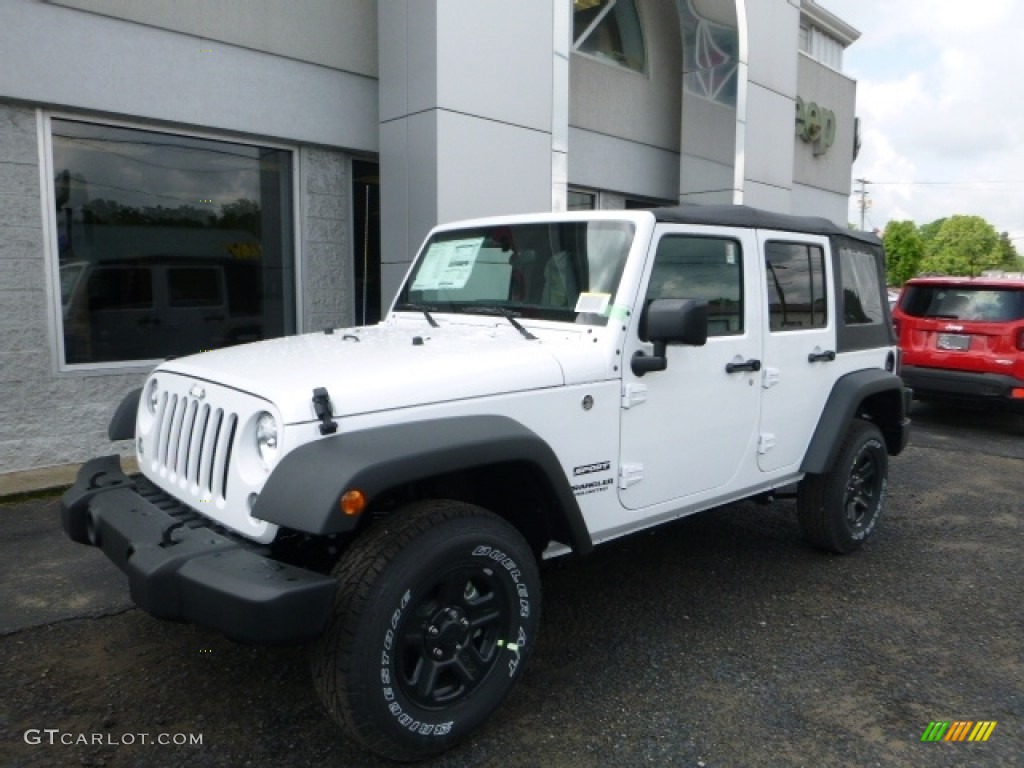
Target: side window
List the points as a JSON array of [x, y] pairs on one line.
[[709, 268], [117, 288], [862, 290], [193, 287], [795, 277]]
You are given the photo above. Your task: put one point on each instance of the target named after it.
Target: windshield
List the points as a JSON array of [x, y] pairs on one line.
[[551, 271], [989, 305]]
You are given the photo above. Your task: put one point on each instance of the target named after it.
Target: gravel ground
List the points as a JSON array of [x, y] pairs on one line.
[[717, 641]]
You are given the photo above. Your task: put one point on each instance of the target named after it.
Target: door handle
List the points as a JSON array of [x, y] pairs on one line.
[[748, 365], [821, 357]]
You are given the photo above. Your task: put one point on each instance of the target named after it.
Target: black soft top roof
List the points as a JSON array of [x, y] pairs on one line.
[[756, 218]]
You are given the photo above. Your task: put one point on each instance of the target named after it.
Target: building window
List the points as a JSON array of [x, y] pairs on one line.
[[708, 268], [821, 46], [167, 244], [609, 30], [795, 275], [582, 201], [710, 56]]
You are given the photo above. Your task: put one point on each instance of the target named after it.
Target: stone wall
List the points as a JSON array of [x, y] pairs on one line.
[[327, 277]]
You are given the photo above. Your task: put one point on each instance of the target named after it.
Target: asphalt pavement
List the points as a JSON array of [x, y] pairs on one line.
[[720, 640]]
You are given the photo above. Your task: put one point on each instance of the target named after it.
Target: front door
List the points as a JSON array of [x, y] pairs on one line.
[[692, 428]]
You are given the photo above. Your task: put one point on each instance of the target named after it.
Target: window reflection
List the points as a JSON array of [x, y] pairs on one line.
[[795, 275], [708, 268], [862, 287], [168, 244]]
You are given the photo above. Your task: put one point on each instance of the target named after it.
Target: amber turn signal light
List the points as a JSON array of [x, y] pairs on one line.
[[353, 502]]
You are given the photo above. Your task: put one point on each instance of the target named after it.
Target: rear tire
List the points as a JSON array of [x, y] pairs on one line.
[[435, 612], [839, 509]]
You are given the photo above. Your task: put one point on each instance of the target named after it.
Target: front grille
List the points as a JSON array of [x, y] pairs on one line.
[[193, 443], [186, 516]]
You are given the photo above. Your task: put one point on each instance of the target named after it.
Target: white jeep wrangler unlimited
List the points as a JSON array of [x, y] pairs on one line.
[[541, 384]]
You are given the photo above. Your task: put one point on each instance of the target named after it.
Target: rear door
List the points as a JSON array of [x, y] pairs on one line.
[[799, 349]]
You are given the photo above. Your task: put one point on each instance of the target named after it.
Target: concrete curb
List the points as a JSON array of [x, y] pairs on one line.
[[48, 478]]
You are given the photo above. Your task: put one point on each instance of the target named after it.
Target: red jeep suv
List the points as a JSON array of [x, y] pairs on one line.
[[963, 338]]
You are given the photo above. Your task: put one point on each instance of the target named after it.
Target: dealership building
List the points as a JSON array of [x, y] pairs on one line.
[[178, 175]]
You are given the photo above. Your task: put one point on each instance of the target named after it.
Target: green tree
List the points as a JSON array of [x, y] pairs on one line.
[[930, 230], [904, 249], [1008, 255], [963, 245]]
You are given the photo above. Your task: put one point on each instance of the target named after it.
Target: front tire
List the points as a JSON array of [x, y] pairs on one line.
[[839, 509], [435, 612]]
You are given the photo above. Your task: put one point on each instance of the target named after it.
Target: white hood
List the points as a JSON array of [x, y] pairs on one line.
[[383, 367]]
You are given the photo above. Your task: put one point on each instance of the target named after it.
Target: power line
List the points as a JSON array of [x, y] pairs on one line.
[[993, 182]]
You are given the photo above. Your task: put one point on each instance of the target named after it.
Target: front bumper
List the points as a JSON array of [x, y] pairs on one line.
[[180, 568], [962, 385]]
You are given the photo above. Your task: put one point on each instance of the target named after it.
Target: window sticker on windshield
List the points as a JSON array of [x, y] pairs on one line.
[[593, 303], [447, 265], [730, 253]]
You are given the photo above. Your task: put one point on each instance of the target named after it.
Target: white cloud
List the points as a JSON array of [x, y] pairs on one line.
[[937, 94]]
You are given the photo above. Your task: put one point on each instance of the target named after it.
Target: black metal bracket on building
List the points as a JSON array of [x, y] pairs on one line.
[[324, 410]]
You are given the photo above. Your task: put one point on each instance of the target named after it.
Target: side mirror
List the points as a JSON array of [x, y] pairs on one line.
[[670, 321]]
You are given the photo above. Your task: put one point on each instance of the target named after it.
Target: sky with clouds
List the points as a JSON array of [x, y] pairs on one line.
[[940, 95]]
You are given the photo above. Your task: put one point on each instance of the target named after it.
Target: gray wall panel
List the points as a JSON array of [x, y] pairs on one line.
[[611, 163], [773, 27], [705, 181], [493, 62], [769, 148], [501, 168], [339, 35], [102, 64], [810, 201]]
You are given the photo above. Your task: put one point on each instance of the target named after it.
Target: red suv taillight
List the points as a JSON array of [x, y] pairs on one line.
[[896, 328]]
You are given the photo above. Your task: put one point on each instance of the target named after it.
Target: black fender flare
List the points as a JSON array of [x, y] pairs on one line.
[[846, 397], [122, 423], [304, 490]]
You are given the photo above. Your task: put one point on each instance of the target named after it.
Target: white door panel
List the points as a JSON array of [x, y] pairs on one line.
[[693, 427], [800, 325]]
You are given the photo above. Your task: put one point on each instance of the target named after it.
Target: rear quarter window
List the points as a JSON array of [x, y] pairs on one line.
[[862, 306]]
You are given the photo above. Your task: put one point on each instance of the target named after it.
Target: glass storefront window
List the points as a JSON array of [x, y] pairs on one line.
[[167, 244]]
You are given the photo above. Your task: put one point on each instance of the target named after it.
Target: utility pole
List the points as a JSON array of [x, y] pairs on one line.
[[864, 203]]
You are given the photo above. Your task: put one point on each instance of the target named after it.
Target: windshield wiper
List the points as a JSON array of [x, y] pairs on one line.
[[502, 312], [419, 308]]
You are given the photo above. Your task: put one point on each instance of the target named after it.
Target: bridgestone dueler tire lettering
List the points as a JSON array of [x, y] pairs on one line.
[[436, 611], [838, 510]]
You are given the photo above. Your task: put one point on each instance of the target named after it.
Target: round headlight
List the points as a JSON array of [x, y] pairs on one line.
[[152, 395], [266, 438]]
